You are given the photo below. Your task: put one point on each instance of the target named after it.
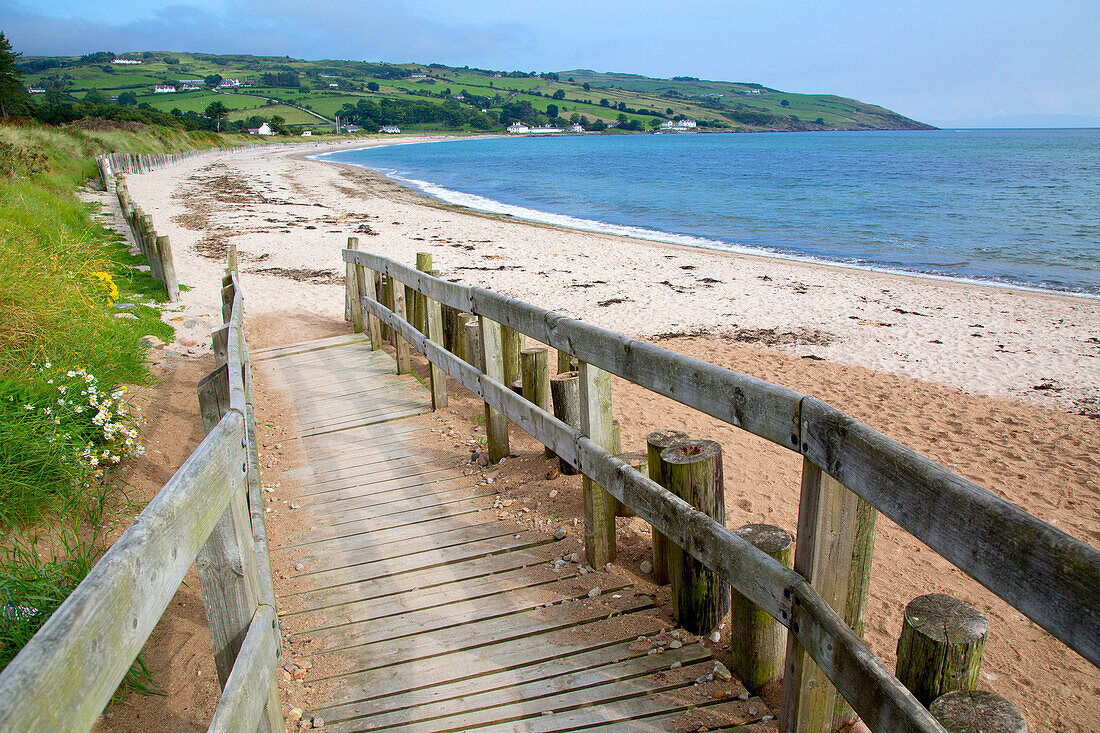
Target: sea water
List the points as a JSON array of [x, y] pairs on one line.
[[1013, 207]]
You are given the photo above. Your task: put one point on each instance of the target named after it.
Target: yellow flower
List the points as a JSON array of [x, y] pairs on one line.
[[108, 285]]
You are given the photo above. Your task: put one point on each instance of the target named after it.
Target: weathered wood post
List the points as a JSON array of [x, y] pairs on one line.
[[388, 334], [757, 641], [462, 339], [621, 509], [164, 245], [941, 645], [565, 362], [420, 301], [599, 506], [149, 235], [656, 442], [496, 425], [565, 393], [693, 471], [449, 314], [434, 316], [836, 537], [400, 345], [373, 325], [353, 290], [535, 370], [977, 711], [511, 344]]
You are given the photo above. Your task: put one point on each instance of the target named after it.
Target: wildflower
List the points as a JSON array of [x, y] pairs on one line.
[[28, 407]]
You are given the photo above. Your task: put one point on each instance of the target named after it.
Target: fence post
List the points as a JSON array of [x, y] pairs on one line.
[[374, 326], [461, 340], [164, 247], [656, 442], [757, 641], [566, 396], [835, 534], [435, 334], [565, 362], [400, 345], [496, 425], [511, 345], [941, 645], [151, 252], [535, 370], [964, 710], [386, 292], [599, 506], [353, 291], [693, 471], [420, 301]]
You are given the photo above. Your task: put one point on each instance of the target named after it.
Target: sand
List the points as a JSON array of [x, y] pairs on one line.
[[1000, 385]]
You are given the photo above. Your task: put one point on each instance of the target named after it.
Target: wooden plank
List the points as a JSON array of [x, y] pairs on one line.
[[104, 623], [998, 544], [246, 690], [370, 516], [365, 511], [274, 352], [401, 346], [550, 683], [376, 482], [474, 669], [369, 420]]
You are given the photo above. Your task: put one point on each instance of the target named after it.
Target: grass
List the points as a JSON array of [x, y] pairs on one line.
[[65, 356]]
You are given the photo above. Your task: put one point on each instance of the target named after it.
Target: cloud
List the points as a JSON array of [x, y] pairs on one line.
[[357, 29]]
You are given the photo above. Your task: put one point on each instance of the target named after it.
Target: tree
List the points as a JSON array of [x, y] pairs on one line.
[[213, 80], [373, 86], [127, 99], [216, 111], [604, 102], [784, 103], [587, 86], [560, 94], [551, 111], [13, 96]]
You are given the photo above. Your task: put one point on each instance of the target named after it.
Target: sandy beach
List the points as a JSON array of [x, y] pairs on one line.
[[1000, 385]]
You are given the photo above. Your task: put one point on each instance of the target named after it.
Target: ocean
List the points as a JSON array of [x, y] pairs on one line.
[[1011, 207]]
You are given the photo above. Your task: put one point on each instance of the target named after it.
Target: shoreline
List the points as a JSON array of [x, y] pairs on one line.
[[565, 221]]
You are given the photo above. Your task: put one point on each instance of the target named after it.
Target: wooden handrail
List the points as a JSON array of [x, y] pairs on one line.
[[999, 544], [1002, 546], [66, 674]]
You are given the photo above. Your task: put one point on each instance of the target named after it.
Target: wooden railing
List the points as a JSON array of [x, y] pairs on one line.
[[209, 513], [849, 472]]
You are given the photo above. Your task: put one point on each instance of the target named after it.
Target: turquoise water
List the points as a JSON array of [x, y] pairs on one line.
[[1016, 207]]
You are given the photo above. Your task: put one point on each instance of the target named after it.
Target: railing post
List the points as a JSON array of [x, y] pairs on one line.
[[566, 396], [352, 280], [835, 545], [400, 345], [599, 506], [535, 371], [386, 299], [420, 301], [757, 641], [168, 267], [374, 326], [656, 442], [435, 334], [941, 646], [496, 425]]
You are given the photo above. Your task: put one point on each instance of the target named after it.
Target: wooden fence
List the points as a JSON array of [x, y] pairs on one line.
[[850, 472], [210, 513], [156, 249]]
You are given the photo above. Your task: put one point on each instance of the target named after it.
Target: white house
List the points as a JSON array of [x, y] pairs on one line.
[[390, 129], [334, 85], [418, 76], [127, 62], [36, 90], [543, 130], [686, 124], [517, 127], [307, 133], [163, 89], [229, 83], [190, 88], [264, 129], [576, 128]]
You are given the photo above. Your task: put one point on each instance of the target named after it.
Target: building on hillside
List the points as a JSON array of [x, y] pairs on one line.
[[36, 90], [544, 130], [190, 87], [164, 89], [390, 129], [681, 124], [576, 128], [190, 81], [264, 129], [518, 128], [350, 128], [307, 133], [126, 62], [418, 76], [334, 85], [227, 83]]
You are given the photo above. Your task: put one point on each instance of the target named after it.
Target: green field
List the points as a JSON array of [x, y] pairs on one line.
[[721, 104]]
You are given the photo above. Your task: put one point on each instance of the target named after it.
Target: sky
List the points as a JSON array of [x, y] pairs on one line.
[[946, 62]]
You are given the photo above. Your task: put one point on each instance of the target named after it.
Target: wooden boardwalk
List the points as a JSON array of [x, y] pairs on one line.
[[440, 615]]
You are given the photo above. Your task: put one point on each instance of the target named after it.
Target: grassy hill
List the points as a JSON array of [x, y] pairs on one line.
[[304, 95]]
